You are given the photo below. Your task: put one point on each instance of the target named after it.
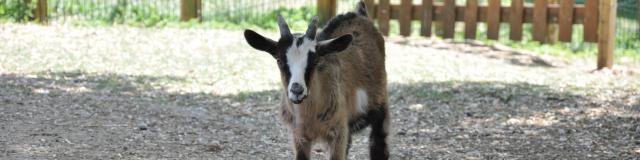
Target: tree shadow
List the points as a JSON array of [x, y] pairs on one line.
[[471, 47], [88, 115], [497, 120]]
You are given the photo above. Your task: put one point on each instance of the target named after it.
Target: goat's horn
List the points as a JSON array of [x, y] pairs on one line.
[[311, 30], [284, 28]]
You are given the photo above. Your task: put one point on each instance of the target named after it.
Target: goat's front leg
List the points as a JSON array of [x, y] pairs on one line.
[[301, 147], [338, 142]]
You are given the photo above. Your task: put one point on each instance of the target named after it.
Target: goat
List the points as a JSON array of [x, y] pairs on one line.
[[335, 83]]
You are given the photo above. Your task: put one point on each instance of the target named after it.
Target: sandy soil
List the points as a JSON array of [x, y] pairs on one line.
[[64, 94]]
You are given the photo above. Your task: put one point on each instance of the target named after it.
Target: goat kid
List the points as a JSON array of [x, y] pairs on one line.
[[334, 83]]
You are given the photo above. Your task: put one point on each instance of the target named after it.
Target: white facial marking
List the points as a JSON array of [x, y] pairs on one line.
[[297, 60], [361, 100]]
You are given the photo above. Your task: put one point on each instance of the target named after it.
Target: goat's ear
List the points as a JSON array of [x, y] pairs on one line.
[[334, 45], [260, 42]]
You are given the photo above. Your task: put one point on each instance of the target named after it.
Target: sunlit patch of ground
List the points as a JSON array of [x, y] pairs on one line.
[[131, 93]]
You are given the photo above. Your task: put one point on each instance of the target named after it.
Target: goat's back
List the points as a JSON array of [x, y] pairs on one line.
[[362, 64]]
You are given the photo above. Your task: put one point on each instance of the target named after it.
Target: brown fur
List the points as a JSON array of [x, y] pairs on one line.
[[331, 105]]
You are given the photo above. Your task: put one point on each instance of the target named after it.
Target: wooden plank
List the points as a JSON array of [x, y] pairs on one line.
[[426, 14], [565, 20], [552, 13], [449, 18], [515, 20], [405, 18], [370, 8], [552, 29], [540, 20], [189, 9], [493, 20], [471, 19], [199, 10], [383, 16], [41, 11], [607, 32], [326, 9], [591, 21]]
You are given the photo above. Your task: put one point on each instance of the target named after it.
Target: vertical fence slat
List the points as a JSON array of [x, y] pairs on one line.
[[493, 20], [427, 17], [471, 19], [565, 20], [540, 20], [515, 19], [383, 16], [449, 18], [199, 10], [607, 32], [189, 9], [41, 11], [369, 5], [405, 17], [326, 9], [590, 22]]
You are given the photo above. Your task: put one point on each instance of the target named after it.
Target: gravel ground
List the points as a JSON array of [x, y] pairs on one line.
[[130, 93]]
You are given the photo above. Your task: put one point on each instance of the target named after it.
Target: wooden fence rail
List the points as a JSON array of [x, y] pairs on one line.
[[597, 17]]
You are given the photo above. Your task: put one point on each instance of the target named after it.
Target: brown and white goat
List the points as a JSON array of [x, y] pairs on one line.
[[335, 83]]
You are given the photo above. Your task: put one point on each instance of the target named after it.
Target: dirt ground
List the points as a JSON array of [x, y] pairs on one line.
[[130, 93]]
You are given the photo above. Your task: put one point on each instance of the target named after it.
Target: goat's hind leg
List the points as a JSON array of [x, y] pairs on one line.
[[379, 119]]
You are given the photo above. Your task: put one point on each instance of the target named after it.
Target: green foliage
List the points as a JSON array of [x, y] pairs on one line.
[[96, 13], [297, 18], [15, 10]]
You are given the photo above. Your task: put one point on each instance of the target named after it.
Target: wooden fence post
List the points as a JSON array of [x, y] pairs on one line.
[[591, 15], [515, 20], [405, 17], [606, 33], [326, 10], [40, 12], [493, 20], [427, 17], [540, 21], [190, 9], [448, 19], [384, 14], [470, 19], [552, 28]]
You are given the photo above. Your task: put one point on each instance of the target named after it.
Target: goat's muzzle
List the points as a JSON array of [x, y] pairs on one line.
[[297, 93]]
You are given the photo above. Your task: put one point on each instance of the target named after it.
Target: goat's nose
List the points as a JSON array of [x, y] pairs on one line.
[[296, 89]]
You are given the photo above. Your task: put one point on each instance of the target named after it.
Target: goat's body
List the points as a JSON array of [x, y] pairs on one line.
[[347, 93]]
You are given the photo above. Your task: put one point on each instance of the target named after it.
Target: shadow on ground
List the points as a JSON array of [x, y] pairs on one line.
[[500, 52], [86, 115]]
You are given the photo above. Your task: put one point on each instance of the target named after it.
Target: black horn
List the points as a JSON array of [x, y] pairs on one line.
[[311, 30], [284, 28]]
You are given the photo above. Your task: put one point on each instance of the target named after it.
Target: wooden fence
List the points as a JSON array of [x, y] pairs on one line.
[[597, 16]]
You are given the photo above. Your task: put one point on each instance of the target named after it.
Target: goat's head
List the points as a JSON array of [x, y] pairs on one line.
[[297, 55]]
